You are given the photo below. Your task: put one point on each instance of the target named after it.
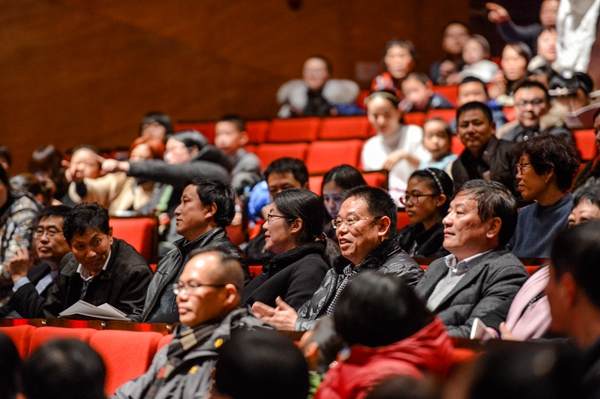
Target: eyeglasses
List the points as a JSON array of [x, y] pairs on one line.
[[270, 217], [536, 102], [522, 166], [414, 198], [192, 288], [349, 221], [50, 233]]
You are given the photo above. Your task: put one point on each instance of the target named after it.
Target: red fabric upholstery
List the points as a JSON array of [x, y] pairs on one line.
[[350, 127], [403, 220], [44, 334], [376, 179], [460, 355], [21, 336], [140, 233], [586, 143], [255, 270], [257, 131], [449, 92], [532, 269], [126, 354], [206, 128], [289, 130], [315, 183], [164, 341], [250, 148], [446, 114], [509, 112], [457, 145], [236, 234], [270, 152], [415, 118], [322, 156]]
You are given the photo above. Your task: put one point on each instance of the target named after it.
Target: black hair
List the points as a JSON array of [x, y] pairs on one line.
[[579, 80], [483, 42], [64, 368], [47, 159], [83, 217], [447, 127], [305, 205], [529, 84], [438, 181], [59, 211], [10, 367], [191, 139], [288, 165], [379, 309], [5, 153], [328, 342], [231, 271], [406, 44], [28, 183], [261, 364], [345, 177], [545, 70], [387, 94], [475, 105], [590, 191], [4, 178], [157, 117], [522, 49], [379, 203], [493, 200], [237, 120], [326, 60], [86, 147], [547, 152], [471, 79], [421, 77], [211, 191]]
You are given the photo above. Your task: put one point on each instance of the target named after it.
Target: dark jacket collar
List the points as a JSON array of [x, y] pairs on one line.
[[293, 255], [374, 260]]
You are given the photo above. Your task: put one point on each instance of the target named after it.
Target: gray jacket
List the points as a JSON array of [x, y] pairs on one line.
[[387, 258], [496, 276], [183, 384]]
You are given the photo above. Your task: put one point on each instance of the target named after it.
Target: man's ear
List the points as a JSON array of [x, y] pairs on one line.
[[495, 224], [211, 211], [384, 226], [232, 297]]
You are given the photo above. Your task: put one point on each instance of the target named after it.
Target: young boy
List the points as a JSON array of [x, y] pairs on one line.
[[437, 139], [418, 94]]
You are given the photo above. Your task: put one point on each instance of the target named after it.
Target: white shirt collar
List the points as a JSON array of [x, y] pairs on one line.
[[85, 274], [460, 268]]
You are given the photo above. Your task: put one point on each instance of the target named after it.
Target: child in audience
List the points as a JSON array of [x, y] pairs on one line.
[[419, 96], [476, 54], [437, 139], [399, 59]]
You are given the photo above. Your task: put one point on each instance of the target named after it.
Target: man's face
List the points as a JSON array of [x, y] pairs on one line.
[[279, 182], [360, 239], [399, 61], [154, 130], [546, 45], [455, 37], [200, 304], [50, 243], [416, 92], [472, 91], [548, 13], [193, 217], [315, 73], [474, 130], [84, 163], [228, 138], [464, 232], [530, 105], [91, 249]]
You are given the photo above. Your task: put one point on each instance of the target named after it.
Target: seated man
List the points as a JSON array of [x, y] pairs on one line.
[[208, 294], [31, 286], [101, 269], [206, 208], [532, 110], [474, 89], [479, 274], [365, 228], [485, 157]]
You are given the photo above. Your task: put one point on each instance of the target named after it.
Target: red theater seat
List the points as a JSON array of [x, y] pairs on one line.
[[164, 341], [586, 143], [351, 127], [270, 152], [289, 130], [236, 234], [446, 114], [376, 179], [449, 92], [315, 183], [457, 146], [403, 220], [140, 233], [415, 118], [21, 336], [509, 112], [257, 131], [41, 335], [206, 128], [322, 156]]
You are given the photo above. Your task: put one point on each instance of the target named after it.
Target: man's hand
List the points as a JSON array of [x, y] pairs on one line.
[[113, 166], [19, 264], [283, 317], [497, 14]]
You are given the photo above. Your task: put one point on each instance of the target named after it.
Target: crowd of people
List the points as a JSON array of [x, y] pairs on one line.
[[336, 266]]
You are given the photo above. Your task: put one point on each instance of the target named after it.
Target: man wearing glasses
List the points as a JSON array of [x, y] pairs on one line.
[[31, 286], [208, 294], [365, 228]]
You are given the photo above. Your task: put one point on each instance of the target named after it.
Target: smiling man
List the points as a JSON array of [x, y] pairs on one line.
[[365, 228], [101, 269], [479, 273]]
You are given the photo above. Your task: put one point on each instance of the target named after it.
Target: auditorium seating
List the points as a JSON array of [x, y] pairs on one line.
[[322, 156], [586, 143], [268, 152], [352, 127], [206, 128], [140, 233], [449, 92], [290, 130]]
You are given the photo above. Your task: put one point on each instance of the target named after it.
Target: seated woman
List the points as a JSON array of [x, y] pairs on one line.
[[116, 191], [444, 72], [427, 200], [389, 332], [396, 147], [335, 184], [545, 172], [515, 58], [46, 163], [399, 59], [294, 232]]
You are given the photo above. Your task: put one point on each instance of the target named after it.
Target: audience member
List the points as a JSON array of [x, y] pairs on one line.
[[294, 233], [573, 295], [404, 387], [335, 184], [455, 35], [10, 367], [100, 269], [476, 54], [231, 137], [365, 227], [64, 368], [156, 125], [546, 50], [316, 94], [260, 365], [574, 92], [397, 148], [534, 115], [31, 285], [28, 183], [427, 200], [437, 139], [592, 167], [485, 157], [116, 191], [399, 59], [389, 332], [546, 168], [479, 273], [418, 94], [515, 58], [206, 208], [208, 296], [5, 159], [474, 89], [45, 163]]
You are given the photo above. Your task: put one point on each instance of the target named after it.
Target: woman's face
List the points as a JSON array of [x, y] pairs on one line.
[[531, 185], [177, 153], [546, 45], [422, 209], [455, 36], [513, 64], [399, 61], [383, 115], [141, 152], [333, 196], [278, 237]]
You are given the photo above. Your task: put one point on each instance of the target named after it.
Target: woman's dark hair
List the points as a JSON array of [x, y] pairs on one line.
[[345, 177], [407, 44], [522, 49], [5, 153], [4, 178], [387, 94], [47, 159], [547, 152], [379, 309], [438, 181], [83, 217], [589, 191], [305, 205], [191, 139]]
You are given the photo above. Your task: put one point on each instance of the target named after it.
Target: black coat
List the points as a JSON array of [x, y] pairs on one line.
[[421, 243], [26, 301]]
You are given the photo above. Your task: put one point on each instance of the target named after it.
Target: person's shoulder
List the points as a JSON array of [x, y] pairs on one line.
[[125, 254], [502, 259]]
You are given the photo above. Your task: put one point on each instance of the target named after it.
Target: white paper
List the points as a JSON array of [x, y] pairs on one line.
[[104, 311]]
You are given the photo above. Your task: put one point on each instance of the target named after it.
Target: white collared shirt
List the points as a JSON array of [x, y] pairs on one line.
[[85, 274]]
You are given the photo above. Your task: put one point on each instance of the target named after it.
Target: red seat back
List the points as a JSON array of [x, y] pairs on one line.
[[140, 233], [351, 127], [41, 335], [449, 92], [164, 341], [270, 152], [586, 143], [257, 131], [403, 220], [509, 112], [446, 114], [322, 156], [315, 183], [415, 118], [457, 146], [289, 130], [21, 336], [376, 179]]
